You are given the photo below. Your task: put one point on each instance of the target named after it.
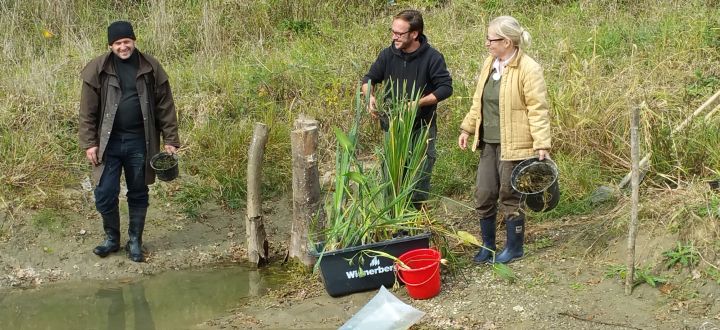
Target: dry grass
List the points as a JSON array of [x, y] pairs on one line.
[[688, 213], [235, 62]]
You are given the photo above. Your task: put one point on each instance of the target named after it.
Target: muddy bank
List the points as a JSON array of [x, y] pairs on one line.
[[46, 248], [558, 286], [561, 283]]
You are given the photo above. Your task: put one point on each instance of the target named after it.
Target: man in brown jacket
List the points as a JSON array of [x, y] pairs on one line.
[[125, 105]]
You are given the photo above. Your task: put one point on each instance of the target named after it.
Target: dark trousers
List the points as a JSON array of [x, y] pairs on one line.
[[422, 189], [492, 184], [122, 154]]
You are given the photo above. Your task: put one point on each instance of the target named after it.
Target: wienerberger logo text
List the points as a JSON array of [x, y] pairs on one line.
[[368, 272]]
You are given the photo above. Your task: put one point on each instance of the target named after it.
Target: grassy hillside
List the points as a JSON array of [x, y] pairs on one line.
[[236, 62]]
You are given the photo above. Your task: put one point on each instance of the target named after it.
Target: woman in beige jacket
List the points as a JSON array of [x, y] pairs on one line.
[[509, 121]]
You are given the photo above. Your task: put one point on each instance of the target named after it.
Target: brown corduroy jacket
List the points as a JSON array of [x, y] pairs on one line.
[[99, 99]]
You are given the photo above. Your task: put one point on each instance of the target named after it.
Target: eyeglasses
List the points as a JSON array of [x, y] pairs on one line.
[[491, 40], [399, 34]]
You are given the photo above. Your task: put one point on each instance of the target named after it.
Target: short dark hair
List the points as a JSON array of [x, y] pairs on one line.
[[413, 17]]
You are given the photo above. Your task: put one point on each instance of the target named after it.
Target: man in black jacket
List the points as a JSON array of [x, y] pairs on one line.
[[410, 62]]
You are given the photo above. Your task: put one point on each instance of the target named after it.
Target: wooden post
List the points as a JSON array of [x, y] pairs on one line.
[[635, 183], [255, 283], [306, 187], [257, 251]]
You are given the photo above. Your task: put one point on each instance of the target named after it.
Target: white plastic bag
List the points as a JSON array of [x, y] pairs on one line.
[[384, 311]]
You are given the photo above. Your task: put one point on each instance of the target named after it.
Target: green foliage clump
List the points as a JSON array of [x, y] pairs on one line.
[[714, 274], [642, 275], [683, 255], [711, 209], [49, 219], [703, 85], [191, 196], [297, 27]]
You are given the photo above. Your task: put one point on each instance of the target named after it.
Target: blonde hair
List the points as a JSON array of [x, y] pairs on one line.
[[507, 27]]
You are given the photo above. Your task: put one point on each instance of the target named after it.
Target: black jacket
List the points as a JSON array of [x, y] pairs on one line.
[[425, 68]]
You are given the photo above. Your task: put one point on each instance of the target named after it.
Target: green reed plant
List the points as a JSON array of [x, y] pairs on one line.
[[374, 205], [338, 211], [404, 148]]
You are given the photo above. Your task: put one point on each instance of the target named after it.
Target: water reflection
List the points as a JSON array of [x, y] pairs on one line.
[[170, 300], [143, 316], [116, 309]]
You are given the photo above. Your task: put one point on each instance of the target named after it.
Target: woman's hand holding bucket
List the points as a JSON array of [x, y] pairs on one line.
[[543, 153]]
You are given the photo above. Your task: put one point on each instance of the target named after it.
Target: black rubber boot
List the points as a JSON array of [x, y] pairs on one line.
[[111, 226], [135, 231], [515, 227], [487, 230]]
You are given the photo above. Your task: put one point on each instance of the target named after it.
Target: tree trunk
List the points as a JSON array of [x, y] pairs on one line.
[[635, 183], [257, 251], [306, 187]]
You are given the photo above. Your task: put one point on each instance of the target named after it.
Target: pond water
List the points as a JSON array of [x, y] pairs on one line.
[[170, 300]]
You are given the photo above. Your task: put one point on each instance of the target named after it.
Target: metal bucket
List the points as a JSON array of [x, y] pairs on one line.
[[165, 166], [714, 185], [544, 197]]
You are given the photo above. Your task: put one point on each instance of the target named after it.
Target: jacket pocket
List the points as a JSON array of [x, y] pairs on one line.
[[520, 129]]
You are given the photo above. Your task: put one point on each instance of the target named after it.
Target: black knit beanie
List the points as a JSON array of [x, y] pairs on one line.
[[118, 30]]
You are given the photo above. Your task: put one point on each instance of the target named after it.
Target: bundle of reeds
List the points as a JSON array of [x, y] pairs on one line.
[[372, 205]]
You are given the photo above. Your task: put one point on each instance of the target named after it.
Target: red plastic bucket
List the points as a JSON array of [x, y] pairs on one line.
[[422, 279]]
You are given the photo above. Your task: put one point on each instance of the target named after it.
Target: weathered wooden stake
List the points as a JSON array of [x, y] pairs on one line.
[[257, 251], [634, 199], [306, 187]]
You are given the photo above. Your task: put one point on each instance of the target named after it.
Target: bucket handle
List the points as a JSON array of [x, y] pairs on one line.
[[399, 274]]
